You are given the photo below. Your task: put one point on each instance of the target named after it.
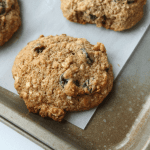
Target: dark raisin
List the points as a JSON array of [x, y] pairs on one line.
[[13, 6], [63, 81], [103, 22], [39, 48], [86, 85], [76, 83], [107, 69], [93, 17], [130, 1], [104, 17], [89, 60], [90, 90], [2, 8]]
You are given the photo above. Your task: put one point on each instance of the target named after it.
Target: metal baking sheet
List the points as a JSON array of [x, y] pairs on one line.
[[121, 122], [117, 123], [119, 45]]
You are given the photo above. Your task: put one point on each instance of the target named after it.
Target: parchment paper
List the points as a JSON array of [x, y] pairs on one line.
[[45, 17]]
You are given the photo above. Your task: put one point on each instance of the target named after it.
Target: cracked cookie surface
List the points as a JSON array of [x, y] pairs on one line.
[[9, 19], [56, 74], [117, 15]]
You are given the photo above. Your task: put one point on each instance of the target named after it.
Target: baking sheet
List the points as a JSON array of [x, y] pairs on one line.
[[45, 17]]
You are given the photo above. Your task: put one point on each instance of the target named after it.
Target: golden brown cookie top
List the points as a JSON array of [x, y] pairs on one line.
[[9, 19], [62, 72], [117, 15]]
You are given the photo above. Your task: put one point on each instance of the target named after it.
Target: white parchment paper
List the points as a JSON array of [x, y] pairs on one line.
[[45, 17]]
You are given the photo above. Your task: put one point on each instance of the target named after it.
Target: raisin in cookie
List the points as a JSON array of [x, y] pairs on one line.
[[56, 74], [9, 19], [117, 15]]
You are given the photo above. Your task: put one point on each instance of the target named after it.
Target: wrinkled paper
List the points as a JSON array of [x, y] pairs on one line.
[[45, 17]]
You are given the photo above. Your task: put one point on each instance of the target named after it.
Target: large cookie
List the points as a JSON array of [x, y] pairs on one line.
[[56, 74], [117, 15], [9, 19]]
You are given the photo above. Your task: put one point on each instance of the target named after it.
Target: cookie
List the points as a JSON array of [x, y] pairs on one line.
[[56, 74], [9, 19], [117, 15]]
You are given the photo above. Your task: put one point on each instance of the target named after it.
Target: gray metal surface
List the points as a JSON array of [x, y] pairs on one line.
[[112, 121]]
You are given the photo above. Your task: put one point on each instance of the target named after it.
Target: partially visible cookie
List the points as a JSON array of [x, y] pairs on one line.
[[56, 74], [9, 19], [117, 15]]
